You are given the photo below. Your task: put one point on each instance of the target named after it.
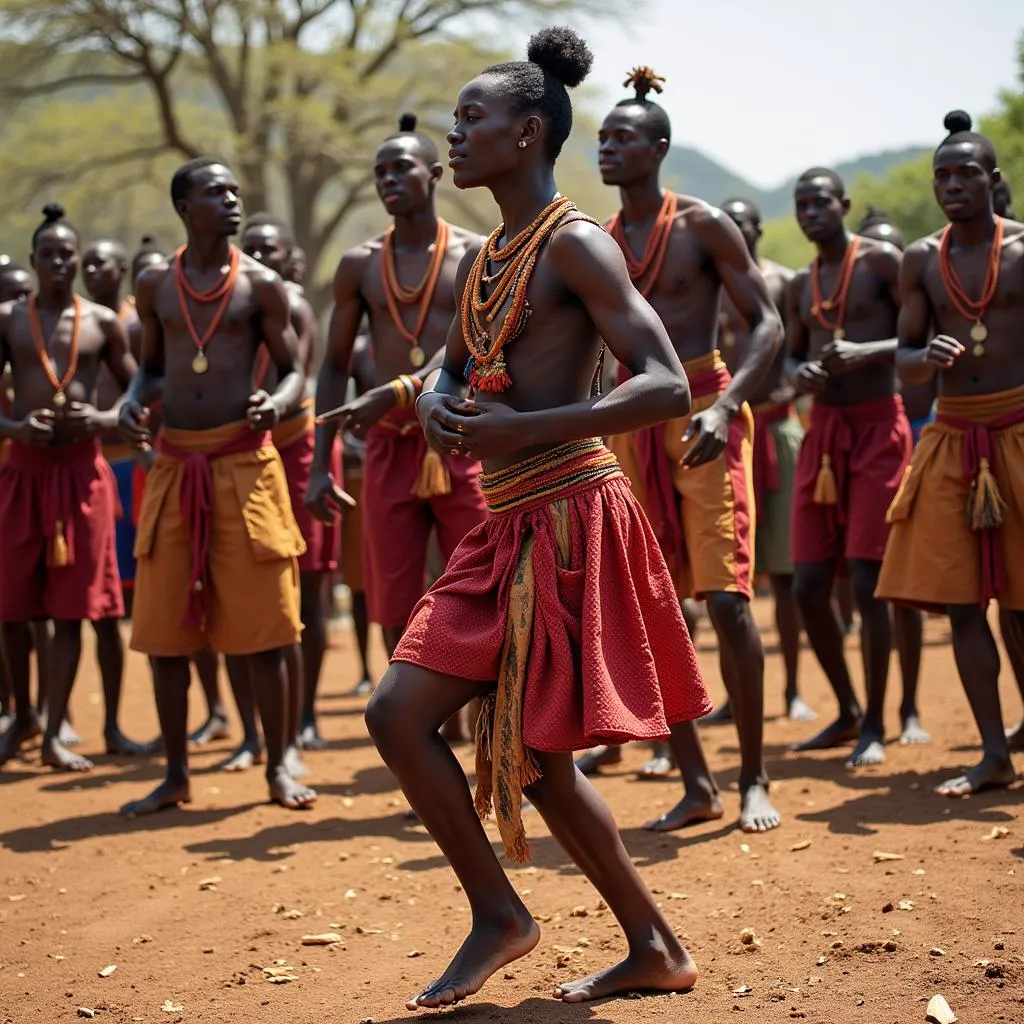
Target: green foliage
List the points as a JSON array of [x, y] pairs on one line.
[[103, 99]]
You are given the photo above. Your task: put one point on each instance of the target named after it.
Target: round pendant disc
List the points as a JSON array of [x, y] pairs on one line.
[[979, 350], [729, 339], [200, 364], [60, 399], [979, 332], [838, 334], [417, 356]]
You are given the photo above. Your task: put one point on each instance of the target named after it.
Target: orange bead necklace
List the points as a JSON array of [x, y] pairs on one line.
[[837, 300], [423, 293], [221, 289], [967, 307], [644, 272], [60, 386], [486, 369]]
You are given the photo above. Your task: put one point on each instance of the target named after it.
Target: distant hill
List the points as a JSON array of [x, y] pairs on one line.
[[693, 172]]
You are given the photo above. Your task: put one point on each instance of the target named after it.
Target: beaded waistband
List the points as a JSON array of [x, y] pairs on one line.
[[548, 474]]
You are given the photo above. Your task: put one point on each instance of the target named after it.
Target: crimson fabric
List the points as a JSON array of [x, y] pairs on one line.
[[980, 444], [197, 508], [322, 539], [39, 487], [610, 659], [869, 444], [397, 524], [766, 456]]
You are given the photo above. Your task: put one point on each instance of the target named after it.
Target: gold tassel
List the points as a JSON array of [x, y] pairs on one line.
[[825, 490], [985, 505], [433, 478], [484, 757], [61, 555]]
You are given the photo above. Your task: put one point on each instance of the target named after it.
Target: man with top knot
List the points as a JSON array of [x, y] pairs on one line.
[[957, 539]]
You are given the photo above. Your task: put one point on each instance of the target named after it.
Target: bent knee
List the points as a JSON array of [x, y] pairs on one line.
[[383, 715], [812, 588], [726, 608]]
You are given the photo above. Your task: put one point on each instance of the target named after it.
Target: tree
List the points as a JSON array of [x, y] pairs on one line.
[[296, 94]]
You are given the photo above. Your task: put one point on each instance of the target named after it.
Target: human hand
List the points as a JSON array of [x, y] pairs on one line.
[[133, 424], [325, 499], [711, 430], [811, 379], [263, 412], [943, 351], [81, 421], [840, 356], [363, 412], [36, 429]]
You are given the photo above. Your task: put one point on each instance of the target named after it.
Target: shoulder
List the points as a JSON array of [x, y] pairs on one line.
[[799, 278], [919, 254], [297, 297], [152, 277], [579, 240], [354, 263], [464, 240], [881, 257], [712, 228], [772, 269], [102, 315]]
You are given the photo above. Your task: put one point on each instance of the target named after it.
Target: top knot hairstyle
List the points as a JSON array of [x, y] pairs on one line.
[[53, 216], [557, 59], [874, 218], [644, 81], [959, 124], [407, 129]]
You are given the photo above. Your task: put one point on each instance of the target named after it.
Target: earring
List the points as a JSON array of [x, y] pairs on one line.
[[522, 143]]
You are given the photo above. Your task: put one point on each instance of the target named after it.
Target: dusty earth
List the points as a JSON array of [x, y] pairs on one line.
[[192, 906]]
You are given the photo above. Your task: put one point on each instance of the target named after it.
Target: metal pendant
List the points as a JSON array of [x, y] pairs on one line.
[[200, 364], [60, 399], [979, 332], [838, 334], [417, 356]]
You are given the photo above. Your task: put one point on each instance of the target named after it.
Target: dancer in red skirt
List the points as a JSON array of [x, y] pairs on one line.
[[559, 609]]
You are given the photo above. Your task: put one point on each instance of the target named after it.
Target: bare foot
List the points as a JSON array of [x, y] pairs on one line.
[[214, 728], [487, 949], [363, 688], [756, 811], [170, 793], [56, 755], [870, 749], [991, 773], [594, 760], [798, 710], [119, 744], [692, 809], [242, 759], [1015, 738], [17, 733], [294, 764], [311, 738], [913, 732], [842, 731], [719, 716], [651, 969], [68, 735], [284, 790], [660, 767]]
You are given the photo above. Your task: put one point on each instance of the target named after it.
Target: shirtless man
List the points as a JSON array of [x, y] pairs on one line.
[[957, 539], [217, 543], [205, 662], [693, 475], [57, 495], [407, 488], [777, 437], [841, 323], [15, 280], [104, 269], [919, 405], [512, 605]]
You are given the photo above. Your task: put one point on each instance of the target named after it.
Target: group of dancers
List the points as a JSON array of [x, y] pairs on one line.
[[580, 504]]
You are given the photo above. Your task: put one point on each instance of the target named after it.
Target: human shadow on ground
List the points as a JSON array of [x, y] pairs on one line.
[[60, 834], [272, 844], [534, 1011]]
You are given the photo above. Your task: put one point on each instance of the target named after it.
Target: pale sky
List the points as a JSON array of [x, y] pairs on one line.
[[772, 87]]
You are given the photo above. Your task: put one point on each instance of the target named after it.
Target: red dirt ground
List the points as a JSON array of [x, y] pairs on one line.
[[81, 889]]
